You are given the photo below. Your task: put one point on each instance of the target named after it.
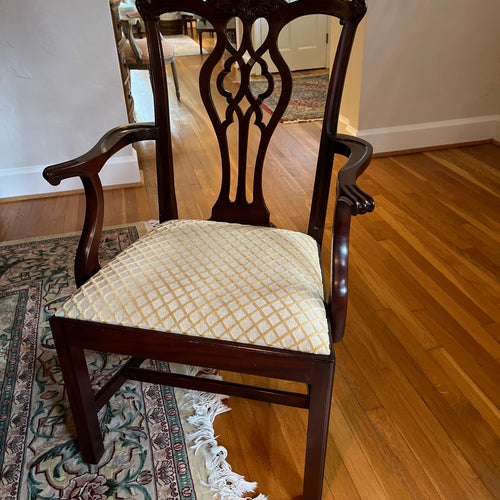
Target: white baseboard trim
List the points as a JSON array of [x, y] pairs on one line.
[[28, 181], [431, 134], [496, 130]]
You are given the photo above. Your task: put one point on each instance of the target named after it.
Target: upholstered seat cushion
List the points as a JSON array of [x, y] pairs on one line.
[[210, 279], [141, 43]]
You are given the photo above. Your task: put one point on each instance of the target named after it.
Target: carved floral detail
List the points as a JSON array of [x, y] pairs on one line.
[[249, 9], [359, 7]]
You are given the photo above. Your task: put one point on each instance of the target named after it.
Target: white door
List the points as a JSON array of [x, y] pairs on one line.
[[303, 42]]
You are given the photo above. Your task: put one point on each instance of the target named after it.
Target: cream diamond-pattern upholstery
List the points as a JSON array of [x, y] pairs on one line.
[[215, 280]]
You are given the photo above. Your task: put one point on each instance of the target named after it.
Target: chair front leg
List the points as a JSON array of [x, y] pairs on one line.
[[320, 397], [81, 398]]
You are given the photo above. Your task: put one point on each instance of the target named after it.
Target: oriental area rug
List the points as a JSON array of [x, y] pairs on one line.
[[307, 101], [159, 442]]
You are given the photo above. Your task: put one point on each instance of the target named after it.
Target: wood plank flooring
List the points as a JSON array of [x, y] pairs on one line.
[[415, 412]]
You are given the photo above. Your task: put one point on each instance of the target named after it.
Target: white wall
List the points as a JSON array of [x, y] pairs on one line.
[[430, 73], [60, 90]]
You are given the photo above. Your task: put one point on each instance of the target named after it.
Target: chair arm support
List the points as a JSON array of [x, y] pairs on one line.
[[351, 200], [87, 167], [91, 163]]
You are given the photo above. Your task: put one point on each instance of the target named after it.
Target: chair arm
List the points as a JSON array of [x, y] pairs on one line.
[[91, 163], [87, 167], [359, 153], [351, 200]]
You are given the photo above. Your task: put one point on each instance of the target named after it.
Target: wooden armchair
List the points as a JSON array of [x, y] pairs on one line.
[[232, 293]]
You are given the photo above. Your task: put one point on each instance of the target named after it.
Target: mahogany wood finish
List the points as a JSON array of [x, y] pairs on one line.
[[244, 110]]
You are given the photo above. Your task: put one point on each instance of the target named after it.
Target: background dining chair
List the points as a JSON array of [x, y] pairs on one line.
[[136, 53], [203, 26], [232, 293]]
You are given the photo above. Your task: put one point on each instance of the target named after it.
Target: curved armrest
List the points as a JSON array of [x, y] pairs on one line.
[[359, 153], [87, 167], [351, 200], [90, 163]]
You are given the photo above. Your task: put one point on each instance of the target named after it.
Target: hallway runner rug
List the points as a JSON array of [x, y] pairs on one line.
[[307, 101], [184, 45], [147, 427]]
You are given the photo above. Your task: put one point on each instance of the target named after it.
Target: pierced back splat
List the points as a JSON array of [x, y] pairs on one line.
[[245, 108]]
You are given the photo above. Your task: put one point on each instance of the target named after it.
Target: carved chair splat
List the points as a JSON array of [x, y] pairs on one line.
[[307, 356]]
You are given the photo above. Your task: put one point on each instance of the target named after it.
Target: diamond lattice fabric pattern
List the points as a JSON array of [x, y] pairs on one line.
[[209, 279]]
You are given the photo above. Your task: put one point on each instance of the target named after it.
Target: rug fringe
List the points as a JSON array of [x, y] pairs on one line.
[[222, 480], [151, 224]]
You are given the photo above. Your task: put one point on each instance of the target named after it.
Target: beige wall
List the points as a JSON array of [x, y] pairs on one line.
[[432, 60], [349, 111], [426, 73]]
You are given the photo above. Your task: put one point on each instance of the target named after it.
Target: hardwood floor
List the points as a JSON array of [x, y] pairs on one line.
[[415, 408]]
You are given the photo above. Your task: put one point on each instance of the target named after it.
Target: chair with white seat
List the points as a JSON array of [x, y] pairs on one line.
[[136, 53], [232, 293]]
